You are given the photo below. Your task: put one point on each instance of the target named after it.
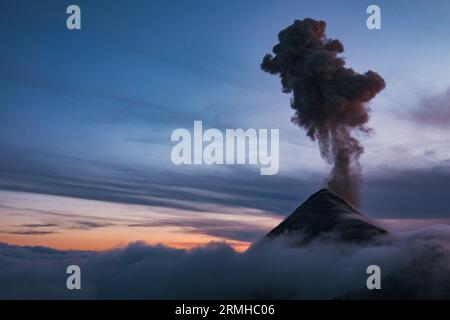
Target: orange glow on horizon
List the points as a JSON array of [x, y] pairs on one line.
[[104, 245], [78, 224]]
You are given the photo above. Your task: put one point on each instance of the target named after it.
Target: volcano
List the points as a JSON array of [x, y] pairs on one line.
[[326, 215]]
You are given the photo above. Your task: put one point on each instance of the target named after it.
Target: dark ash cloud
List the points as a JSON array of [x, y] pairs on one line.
[[324, 270], [329, 99]]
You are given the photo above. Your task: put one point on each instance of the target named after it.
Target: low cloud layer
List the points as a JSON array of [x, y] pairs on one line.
[[325, 270]]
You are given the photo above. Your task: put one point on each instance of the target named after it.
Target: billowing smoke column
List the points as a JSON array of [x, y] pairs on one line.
[[329, 99]]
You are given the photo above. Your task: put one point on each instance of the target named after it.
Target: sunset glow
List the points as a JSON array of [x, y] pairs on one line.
[[77, 224]]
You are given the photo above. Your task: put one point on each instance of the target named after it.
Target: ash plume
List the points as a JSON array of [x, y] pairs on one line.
[[329, 99]]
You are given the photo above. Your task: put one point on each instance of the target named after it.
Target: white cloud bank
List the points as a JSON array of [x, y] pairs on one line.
[[414, 265]]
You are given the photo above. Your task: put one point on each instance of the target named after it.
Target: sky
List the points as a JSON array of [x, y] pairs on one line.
[[86, 118]]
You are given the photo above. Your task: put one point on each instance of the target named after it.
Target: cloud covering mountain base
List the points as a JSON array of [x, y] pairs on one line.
[[414, 265]]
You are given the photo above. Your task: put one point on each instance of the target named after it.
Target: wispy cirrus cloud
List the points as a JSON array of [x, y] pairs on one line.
[[433, 110], [387, 192], [38, 225], [30, 232], [227, 229]]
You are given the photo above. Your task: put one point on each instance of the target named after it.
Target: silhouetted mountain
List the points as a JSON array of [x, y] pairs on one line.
[[325, 214]]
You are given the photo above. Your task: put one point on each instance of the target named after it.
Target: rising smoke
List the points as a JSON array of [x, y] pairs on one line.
[[329, 99]]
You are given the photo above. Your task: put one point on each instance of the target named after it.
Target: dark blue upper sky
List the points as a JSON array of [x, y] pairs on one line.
[[96, 107]]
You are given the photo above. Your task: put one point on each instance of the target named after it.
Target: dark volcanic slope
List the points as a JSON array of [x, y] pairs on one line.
[[326, 212]]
